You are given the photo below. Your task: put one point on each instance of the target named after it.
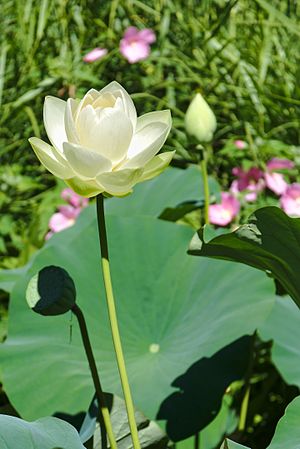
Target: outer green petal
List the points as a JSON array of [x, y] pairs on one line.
[[46, 155], [85, 188], [157, 165], [119, 183]]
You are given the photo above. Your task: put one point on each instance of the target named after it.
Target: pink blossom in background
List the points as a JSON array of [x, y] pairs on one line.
[[279, 164], [67, 214], [73, 198], [290, 200], [222, 214], [249, 181], [275, 182], [240, 144], [95, 54], [135, 45]]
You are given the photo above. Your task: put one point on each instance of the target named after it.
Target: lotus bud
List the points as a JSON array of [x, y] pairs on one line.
[[51, 291], [200, 121]]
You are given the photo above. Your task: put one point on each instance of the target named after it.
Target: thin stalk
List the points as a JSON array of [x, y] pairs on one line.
[[244, 410], [197, 440], [245, 402], [206, 188], [114, 321], [105, 422]]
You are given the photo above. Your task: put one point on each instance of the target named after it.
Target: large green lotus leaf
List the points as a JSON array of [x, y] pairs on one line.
[[270, 242], [171, 188], [287, 433], [229, 444], [45, 433], [173, 310], [283, 327], [193, 405], [224, 424]]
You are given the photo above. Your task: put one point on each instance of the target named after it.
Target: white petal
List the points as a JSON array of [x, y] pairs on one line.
[[157, 165], [54, 111], [146, 144], [46, 155], [118, 91], [70, 113], [109, 135], [87, 188], [119, 183], [156, 116], [88, 99], [86, 163]]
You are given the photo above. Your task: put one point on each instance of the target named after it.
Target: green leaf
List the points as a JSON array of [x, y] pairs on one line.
[[287, 433], [150, 434], [229, 444], [270, 242], [8, 278], [173, 310], [224, 424], [194, 404], [283, 327], [171, 189], [45, 433]]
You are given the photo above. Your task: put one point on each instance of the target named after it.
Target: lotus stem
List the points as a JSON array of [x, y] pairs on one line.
[[105, 422], [206, 187], [114, 321]]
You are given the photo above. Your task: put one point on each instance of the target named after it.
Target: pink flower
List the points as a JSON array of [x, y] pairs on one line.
[[250, 181], [73, 198], [222, 214], [67, 214], [240, 144], [290, 200], [275, 182], [135, 45], [95, 54], [278, 164]]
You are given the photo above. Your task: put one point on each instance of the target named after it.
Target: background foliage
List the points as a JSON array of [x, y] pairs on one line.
[[242, 55]]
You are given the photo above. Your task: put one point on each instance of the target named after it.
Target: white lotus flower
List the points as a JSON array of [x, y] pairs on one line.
[[200, 121], [99, 144]]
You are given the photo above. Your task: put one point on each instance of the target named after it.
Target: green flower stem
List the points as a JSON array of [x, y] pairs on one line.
[[114, 321], [105, 422], [206, 188], [244, 410], [245, 402]]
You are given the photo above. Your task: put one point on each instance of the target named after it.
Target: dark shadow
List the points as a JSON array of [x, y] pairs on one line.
[[75, 420], [88, 417], [201, 389]]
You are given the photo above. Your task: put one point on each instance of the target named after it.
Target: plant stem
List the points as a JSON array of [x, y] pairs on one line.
[[245, 402], [114, 321], [197, 440], [105, 422], [206, 188], [244, 410]]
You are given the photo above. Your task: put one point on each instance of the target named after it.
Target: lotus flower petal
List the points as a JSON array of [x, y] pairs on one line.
[[47, 157], [86, 163], [54, 112]]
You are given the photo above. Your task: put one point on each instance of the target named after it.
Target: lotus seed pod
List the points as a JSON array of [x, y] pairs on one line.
[[51, 291]]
